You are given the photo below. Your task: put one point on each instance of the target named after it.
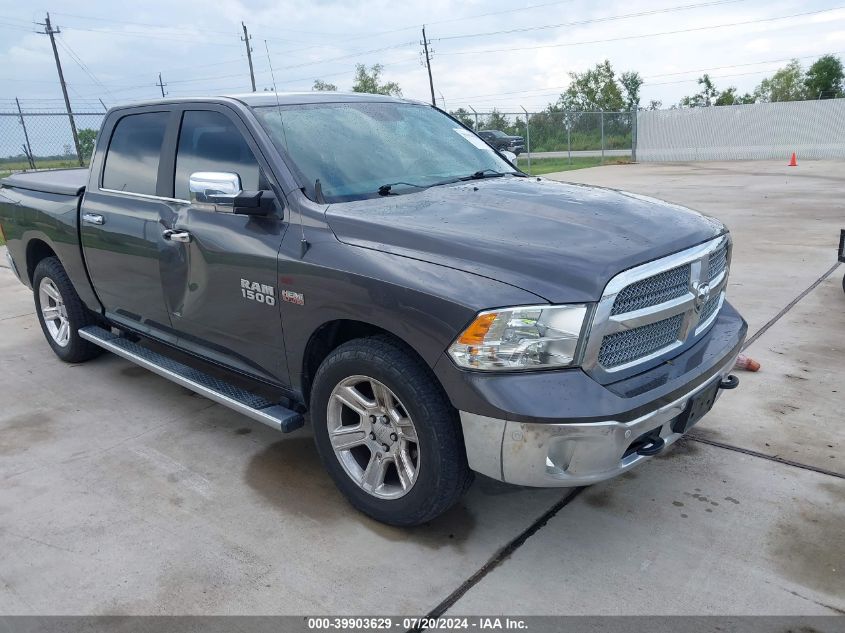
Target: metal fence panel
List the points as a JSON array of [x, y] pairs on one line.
[[812, 129]]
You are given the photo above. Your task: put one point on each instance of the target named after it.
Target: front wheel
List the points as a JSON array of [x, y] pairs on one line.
[[387, 434]]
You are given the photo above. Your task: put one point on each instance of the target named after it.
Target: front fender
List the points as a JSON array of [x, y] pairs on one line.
[[423, 304]]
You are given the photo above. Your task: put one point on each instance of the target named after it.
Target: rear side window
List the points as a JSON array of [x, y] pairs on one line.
[[134, 152], [209, 141]]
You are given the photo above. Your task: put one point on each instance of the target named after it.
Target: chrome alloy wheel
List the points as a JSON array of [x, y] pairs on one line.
[[373, 437], [54, 312]]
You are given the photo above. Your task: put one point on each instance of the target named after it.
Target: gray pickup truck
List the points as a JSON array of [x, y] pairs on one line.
[[373, 264]]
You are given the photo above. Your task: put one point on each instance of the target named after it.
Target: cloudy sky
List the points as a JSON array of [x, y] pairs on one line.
[[487, 53]]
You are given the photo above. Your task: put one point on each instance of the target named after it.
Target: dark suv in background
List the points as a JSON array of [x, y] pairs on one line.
[[503, 142]]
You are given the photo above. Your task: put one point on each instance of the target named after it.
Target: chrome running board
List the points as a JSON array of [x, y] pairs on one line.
[[236, 398]]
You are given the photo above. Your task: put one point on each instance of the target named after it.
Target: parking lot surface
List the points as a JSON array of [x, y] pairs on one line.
[[122, 493]]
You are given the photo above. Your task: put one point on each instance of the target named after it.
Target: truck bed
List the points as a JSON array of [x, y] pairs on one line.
[[66, 182]]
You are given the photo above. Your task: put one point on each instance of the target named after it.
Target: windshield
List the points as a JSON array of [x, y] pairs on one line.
[[367, 150]]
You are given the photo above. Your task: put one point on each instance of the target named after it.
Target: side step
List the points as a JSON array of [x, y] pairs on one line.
[[252, 405]]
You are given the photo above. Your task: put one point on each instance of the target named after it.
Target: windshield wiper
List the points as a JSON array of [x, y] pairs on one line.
[[484, 173], [384, 190]]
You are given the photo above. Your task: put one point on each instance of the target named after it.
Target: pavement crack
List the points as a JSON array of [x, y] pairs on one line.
[[500, 556], [788, 307], [771, 458]]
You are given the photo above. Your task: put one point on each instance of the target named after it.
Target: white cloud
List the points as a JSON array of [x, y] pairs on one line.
[[197, 48]]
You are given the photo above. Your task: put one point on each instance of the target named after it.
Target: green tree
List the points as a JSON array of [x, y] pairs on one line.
[[321, 85], [369, 81], [464, 117], [654, 104], [631, 82], [496, 121], [825, 79], [787, 84], [87, 138], [704, 97], [730, 97], [595, 89]]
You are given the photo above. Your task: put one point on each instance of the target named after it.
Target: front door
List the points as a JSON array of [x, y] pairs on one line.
[[221, 286]]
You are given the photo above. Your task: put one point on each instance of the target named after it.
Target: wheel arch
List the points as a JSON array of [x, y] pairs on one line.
[[36, 251], [331, 334]]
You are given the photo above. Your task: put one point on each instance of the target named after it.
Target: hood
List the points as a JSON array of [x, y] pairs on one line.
[[562, 242]]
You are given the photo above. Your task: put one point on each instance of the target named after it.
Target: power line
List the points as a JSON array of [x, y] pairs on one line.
[[645, 35], [78, 60], [610, 18], [544, 91]]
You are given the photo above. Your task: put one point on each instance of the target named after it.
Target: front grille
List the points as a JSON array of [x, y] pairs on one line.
[[718, 261], [624, 347], [667, 291], [670, 284]]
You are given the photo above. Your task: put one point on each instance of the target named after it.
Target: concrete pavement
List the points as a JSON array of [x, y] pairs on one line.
[[122, 493]]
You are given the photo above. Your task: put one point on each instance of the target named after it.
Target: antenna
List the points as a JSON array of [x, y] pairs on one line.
[[302, 241]]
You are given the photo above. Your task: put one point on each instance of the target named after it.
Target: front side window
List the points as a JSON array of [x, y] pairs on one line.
[[354, 149], [210, 141], [134, 152]]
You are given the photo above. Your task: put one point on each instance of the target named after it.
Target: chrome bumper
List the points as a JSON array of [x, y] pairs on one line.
[[565, 455]]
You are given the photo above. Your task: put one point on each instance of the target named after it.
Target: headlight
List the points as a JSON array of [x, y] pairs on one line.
[[529, 337]]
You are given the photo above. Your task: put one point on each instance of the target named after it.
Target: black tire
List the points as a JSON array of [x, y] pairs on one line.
[[77, 349], [442, 475]]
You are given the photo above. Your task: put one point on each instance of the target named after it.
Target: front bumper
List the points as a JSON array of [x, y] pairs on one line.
[[565, 455], [565, 429]]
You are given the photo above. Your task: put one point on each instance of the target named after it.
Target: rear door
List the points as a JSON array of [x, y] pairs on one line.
[[222, 289], [123, 216]]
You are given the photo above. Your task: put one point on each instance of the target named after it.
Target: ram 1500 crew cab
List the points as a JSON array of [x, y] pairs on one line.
[[373, 264]]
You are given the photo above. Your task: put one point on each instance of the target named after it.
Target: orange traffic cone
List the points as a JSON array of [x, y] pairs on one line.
[[794, 161]]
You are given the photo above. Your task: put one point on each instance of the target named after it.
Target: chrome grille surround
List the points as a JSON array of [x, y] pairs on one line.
[[621, 344]]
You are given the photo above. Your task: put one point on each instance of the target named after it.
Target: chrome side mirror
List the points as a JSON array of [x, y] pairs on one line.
[[214, 187], [510, 156]]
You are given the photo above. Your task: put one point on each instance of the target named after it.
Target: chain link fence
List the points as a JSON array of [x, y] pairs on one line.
[[558, 137], [43, 139]]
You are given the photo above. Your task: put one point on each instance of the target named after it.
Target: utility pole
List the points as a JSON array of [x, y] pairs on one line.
[[49, 30], [245, 40], [428, 65], [161, 85]]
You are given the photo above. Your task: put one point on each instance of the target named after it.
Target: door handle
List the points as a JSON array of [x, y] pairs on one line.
[[93, 218], [176, 236]]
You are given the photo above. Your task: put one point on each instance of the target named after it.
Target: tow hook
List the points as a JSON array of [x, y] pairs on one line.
[[654, 446], [729, 382]]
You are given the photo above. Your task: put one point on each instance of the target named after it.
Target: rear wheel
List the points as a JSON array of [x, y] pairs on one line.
[[61, 312], [387, 434]]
